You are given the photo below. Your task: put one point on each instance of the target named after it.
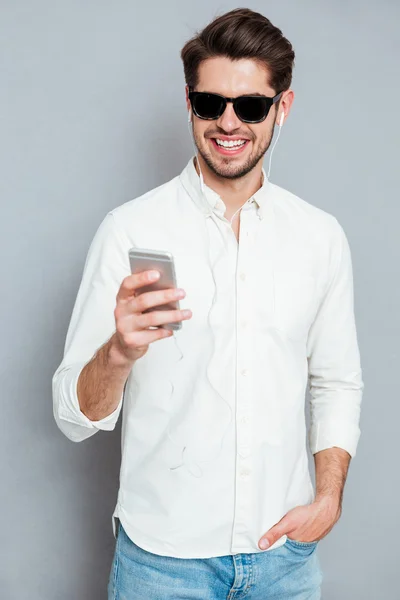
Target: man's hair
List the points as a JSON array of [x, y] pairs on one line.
[[241, 33]]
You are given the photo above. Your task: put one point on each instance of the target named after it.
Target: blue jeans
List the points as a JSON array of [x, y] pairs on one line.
[[290, 572]]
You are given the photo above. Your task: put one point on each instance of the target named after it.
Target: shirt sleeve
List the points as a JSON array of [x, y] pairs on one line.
[[92, 324], [335, 374]]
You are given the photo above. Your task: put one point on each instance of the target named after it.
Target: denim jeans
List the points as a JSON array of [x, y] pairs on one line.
[[290, 572]]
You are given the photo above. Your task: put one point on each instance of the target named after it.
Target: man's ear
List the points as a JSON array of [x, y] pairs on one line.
[[187, 97]]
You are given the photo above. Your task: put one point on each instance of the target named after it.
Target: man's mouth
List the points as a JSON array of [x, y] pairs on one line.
[[231, 147]]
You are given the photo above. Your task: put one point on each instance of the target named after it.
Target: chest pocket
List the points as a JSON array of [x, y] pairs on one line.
[[296, 301]]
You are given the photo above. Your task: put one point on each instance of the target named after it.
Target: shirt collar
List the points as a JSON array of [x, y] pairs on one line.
[[209, 200]]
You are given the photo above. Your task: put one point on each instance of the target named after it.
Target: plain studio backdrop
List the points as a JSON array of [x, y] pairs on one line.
[[92, 115]]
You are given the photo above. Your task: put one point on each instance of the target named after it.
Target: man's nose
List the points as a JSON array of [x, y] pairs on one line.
[[229, 121]]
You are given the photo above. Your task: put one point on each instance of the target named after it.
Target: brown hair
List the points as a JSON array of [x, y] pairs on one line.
[[241, 33]]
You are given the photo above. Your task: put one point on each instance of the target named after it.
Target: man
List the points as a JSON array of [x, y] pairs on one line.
[[216, 499]]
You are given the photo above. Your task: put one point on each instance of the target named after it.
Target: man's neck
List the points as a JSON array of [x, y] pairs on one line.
[[234, 192]]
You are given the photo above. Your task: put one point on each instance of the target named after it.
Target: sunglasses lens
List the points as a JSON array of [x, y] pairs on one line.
[[208, 106], [252, 109]]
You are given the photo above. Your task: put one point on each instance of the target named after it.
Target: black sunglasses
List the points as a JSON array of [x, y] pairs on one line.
[[249, 109]]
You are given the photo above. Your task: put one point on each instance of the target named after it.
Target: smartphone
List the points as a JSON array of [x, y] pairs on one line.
[[142, 259]]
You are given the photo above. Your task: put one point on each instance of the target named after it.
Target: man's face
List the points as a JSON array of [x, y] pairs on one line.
[[223, 76]]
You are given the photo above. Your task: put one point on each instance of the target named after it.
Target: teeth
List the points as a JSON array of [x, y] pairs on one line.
[[231, 143]]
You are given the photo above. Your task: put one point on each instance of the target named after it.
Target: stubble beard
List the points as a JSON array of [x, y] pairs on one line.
[[226, 170]]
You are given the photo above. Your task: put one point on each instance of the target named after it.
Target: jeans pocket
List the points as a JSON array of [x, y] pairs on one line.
[[301, 545]]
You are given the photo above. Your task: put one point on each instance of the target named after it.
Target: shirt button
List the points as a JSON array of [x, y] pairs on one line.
[[244, 473], [243, 419], [242, 276], [244, 324], [244, 372]]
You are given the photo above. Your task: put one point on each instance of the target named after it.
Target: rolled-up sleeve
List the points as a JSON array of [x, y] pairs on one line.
[[335, 373], [92, 324]]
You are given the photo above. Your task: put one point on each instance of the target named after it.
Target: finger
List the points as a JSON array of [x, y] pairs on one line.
[[273, 534], [161, 317], [141, 303], [154, 298], [132, 282], [144, 337]]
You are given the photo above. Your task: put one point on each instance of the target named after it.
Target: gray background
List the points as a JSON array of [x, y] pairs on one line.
[[92, 115]]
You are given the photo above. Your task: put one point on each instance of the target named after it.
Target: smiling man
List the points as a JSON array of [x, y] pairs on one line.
[[215, 499]]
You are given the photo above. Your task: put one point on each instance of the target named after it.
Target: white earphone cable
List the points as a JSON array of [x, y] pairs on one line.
[[194, 469]]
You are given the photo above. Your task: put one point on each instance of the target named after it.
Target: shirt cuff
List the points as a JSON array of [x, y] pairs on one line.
[[69, 408], [340, 434]]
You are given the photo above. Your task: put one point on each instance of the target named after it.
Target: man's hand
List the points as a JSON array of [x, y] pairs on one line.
[[307, 523], [133, 336]]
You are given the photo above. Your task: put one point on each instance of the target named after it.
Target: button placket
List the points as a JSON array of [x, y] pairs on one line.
[[244, 472], [243, 351]]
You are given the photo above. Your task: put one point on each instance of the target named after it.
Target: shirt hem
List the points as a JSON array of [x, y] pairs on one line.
[[141, 540]]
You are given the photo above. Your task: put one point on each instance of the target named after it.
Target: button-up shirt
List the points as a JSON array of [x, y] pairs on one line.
[[214, 436]]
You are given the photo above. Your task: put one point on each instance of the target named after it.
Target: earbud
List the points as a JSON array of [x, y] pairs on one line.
[[282, 117], [190, 115]]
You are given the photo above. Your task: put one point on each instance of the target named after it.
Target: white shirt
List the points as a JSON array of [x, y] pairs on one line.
[[269, 312]]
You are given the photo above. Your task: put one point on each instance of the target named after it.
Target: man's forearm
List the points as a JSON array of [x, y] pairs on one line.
[[331, 467], [102, 380]]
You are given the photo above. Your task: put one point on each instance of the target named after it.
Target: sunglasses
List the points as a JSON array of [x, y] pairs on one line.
[[249, 109]]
